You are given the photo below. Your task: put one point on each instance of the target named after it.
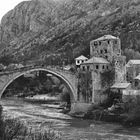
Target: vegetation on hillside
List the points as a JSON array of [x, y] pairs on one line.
[[63, 30]]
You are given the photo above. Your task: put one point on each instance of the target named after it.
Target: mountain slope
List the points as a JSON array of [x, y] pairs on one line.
[[56, 31]]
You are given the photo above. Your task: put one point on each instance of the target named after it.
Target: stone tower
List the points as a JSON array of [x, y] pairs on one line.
[[109, 47]]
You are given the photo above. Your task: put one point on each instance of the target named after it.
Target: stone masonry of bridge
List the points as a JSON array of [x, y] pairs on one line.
[[69, 78]]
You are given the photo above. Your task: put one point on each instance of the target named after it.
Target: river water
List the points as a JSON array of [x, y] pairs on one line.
[[42, 115]]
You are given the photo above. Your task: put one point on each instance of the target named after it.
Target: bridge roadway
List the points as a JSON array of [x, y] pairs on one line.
[[8, 76]]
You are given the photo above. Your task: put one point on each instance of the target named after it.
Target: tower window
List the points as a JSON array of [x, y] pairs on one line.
[[101, 51], [107, 67], [106, 57], [105, 50], [78, 61], [103, 67], [99, 42], [97, 67], [87, 67], [108, 42], [83, 68]]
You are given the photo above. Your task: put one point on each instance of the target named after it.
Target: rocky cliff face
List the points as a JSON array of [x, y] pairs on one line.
[[49, 30]]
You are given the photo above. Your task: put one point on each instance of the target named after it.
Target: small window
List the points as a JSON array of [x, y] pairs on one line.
[[107, 67], [105, 50], [82, 61], [106, 57], [87, 67], [95, 43], [78, 61], [108, 41], [101, 51], [83, 68], [100, 43], [97, 67], [103, 67]]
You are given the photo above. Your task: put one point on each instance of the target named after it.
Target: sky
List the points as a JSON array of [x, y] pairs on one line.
[[7, 5]]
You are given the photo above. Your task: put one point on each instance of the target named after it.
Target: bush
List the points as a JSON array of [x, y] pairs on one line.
[[132, 110], [1, 124], [14, 129]]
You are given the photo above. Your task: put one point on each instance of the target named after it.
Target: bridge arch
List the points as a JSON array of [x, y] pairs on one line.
[[57, 74]]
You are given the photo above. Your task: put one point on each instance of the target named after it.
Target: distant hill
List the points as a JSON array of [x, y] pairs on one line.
[[60, 30]]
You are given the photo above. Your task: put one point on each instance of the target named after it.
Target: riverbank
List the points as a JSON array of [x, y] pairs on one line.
[[38, 116], [126, 115]]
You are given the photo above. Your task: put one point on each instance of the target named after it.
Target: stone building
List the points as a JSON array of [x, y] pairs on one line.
[[107, 66], [136, 83], [107, 47], [79, 60], [133, 69], [98, 64]]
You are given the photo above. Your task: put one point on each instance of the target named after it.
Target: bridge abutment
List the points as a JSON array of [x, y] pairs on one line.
[[80, 107]]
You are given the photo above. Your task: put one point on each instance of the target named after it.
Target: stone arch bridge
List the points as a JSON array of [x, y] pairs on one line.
[[70, 79]]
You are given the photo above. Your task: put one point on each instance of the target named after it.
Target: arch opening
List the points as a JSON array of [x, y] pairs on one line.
[[49, 73]]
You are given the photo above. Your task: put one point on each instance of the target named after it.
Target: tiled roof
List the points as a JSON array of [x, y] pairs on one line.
[[133, 62], [81, 58], [105, 37], [96, 60], [120, 85]]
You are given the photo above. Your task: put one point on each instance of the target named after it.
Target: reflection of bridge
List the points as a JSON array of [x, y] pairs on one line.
[[7, 77]]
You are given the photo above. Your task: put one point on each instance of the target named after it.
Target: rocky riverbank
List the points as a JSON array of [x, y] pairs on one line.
[[114, 114]]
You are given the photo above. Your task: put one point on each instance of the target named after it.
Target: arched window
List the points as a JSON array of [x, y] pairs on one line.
[[83, 68], [78, 61], [97, 67]]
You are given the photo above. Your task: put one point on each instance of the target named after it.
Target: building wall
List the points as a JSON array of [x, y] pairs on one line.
[[131, 96], [120, 69], [85, 87], [132, 72], [109, 49], [136, 84], [79, 62], [95, 67], [100, 84], [105, 48]]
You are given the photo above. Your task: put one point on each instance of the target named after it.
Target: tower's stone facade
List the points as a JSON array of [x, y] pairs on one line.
[[106, 65], [109, 48]]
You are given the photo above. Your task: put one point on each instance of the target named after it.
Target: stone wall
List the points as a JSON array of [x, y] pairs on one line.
[[80, 107], [130, 95]]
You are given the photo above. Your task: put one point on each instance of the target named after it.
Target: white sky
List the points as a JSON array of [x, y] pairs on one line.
[[7, 5]]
